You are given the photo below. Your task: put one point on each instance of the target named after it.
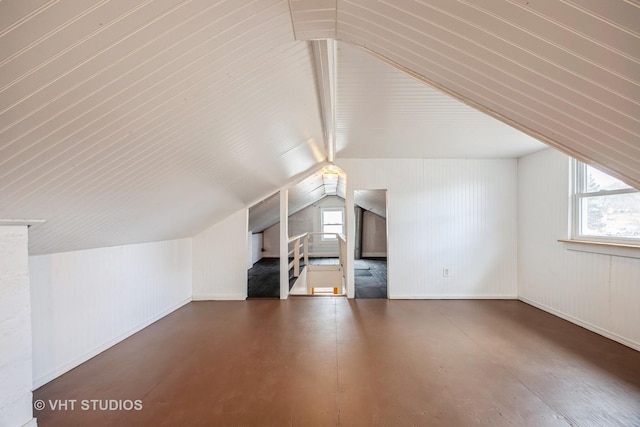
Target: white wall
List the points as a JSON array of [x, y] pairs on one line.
[[455, 214], [271, 241], [308, 219], [305, 220], [374, 235], [86, 301], [220, 259], [15, 329], [598, 291], [255, 250]]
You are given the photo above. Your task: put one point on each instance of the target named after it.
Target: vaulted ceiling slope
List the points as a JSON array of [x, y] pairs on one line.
[[133, 121], [564, 71], [126, 121], [308, 191], [384, 113]]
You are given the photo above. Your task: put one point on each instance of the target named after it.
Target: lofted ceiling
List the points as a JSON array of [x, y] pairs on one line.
[[564, 71], [127, 121], [328, 181], [311, 189], [377, 104], [372, 200], [133, 121]]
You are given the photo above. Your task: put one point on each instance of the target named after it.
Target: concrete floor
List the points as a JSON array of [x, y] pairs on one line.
[[333, 361]]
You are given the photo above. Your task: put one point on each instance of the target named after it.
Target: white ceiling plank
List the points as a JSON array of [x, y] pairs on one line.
[[132, 121], [21, 12], [313, 19], [508, 104], [408, 38], [385, 113], [155, 126]]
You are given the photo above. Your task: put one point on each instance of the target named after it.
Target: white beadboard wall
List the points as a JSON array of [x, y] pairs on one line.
[[455, 214], [597, 291], [255, 249], [84, 302], [303, 221], [374, 235], [220, 260], [15, 328]]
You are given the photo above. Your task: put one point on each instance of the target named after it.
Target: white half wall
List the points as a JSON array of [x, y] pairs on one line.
[[84, 302], [15, 328], [598, 291], [254, 252], [453, 214], [220, 260]]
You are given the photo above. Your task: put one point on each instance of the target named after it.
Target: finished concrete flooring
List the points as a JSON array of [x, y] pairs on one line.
[[338, 362]]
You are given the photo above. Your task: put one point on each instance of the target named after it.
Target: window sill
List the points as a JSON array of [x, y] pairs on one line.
[[603, 248]]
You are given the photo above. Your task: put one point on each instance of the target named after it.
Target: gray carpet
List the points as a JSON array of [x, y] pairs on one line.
[[371, 278], [264, 279]]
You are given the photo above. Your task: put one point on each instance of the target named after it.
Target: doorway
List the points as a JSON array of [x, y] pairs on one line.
[[263, 263], [370, 250], [316, 228]]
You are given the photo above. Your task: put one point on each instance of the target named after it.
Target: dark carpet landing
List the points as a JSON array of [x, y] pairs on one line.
[[370, 277], [363, 273]]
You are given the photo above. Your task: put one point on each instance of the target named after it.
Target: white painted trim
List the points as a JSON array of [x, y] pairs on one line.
[[31, 423], [443, 297], [27, 222], [324, 53], [218, 297], [602, 248], [632, 344], [374, 254], [51, 375], [350, 225], [284, 244]]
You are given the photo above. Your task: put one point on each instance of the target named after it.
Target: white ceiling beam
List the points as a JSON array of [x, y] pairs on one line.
[[324, 53]]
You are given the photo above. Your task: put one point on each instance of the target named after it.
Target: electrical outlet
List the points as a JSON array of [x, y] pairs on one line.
[[445, 272]]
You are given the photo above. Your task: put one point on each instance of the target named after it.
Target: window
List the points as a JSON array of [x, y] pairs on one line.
[[604, 208], [332, 222]]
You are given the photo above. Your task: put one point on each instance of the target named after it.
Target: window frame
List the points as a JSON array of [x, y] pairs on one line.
[[579, 194], [322, 223]]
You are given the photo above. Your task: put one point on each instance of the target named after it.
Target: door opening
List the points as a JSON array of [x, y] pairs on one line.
[[263, 275], [370, 249]]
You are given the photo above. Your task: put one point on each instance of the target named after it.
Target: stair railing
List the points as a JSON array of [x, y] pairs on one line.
[[300, 247]]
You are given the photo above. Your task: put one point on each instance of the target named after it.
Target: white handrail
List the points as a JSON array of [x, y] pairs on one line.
[[291, 239], [295, 263], [296, 253]]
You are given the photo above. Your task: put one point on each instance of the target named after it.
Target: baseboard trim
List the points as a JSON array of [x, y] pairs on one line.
[[215, 297], [374, 254], [593, 328], [51, 375], [453, 297]]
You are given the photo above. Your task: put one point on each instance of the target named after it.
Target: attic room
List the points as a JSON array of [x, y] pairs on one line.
[[143, 145]]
